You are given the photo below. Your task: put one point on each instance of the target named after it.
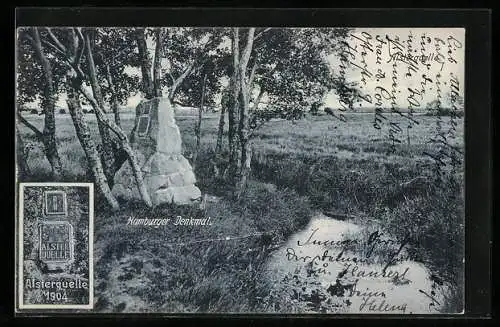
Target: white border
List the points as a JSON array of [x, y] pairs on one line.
[[20, 261]]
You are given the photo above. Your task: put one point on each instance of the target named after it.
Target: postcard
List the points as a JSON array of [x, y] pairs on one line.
[[269, 170]]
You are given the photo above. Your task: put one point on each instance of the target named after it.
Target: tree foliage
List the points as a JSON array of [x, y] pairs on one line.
[[115, 53], [275, 72], [192, 53], [292, 73], [29, 78]]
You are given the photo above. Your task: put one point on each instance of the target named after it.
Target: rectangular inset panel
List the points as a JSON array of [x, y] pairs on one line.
[[55, 245]]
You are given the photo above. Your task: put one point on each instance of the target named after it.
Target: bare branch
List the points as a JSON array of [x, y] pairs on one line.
[[56, 41], [258, 99], [61, 49], [258, 35], [245, 57], [252, 74], [46, 42], [181, 79], [79, 49], [35, 130]]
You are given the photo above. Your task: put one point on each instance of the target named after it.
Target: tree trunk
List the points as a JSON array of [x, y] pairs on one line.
[[94, 83], [48, 105], [147, 82], [220, 132], [84, 135], [157, 62], [125, 145], [244, 144], [244, 151], [114, 100], [258, 99], [22, 160], [107, 150], [245, 169], [233, 113], [198, 124], [120, 155]]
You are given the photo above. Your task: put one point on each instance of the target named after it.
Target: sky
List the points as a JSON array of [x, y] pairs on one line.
[[436, 44], [371, 54]]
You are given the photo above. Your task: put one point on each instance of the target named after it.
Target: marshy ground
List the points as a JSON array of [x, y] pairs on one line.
[[300, 170]]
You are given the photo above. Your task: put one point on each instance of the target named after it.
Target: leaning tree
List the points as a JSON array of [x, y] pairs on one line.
[[39, 77], [75, 47]]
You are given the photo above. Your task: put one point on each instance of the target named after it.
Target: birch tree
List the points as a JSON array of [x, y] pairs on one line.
[[79, 43], [289, 67], [30, 83]]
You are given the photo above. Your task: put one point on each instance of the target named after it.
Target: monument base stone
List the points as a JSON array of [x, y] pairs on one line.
[[156, 140]]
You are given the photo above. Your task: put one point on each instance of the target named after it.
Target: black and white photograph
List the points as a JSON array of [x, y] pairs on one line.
[[55, 246], [250, 170]]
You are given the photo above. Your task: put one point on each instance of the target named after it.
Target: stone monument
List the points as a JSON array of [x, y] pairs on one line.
[[156, 141]]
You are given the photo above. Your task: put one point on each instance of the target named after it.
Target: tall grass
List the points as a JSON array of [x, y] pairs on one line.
[[398, 197], [297, 167], [207, 269]]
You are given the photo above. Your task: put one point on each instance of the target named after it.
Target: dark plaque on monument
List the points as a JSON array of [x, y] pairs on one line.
[[144, 118], [55, 203]]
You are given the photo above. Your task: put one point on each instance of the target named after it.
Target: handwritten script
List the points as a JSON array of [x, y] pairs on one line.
[[403, 77], [375, 273]]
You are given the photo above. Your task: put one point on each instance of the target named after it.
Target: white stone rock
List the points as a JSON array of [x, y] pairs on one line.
[[178, 195], [168, 175]]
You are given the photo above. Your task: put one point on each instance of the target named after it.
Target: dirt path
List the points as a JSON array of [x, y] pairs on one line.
[[312, 280]]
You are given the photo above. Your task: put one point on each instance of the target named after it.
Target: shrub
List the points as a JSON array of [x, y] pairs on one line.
[[436, 226]]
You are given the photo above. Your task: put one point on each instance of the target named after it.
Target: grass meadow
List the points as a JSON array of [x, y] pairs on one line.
[[298, 168]]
